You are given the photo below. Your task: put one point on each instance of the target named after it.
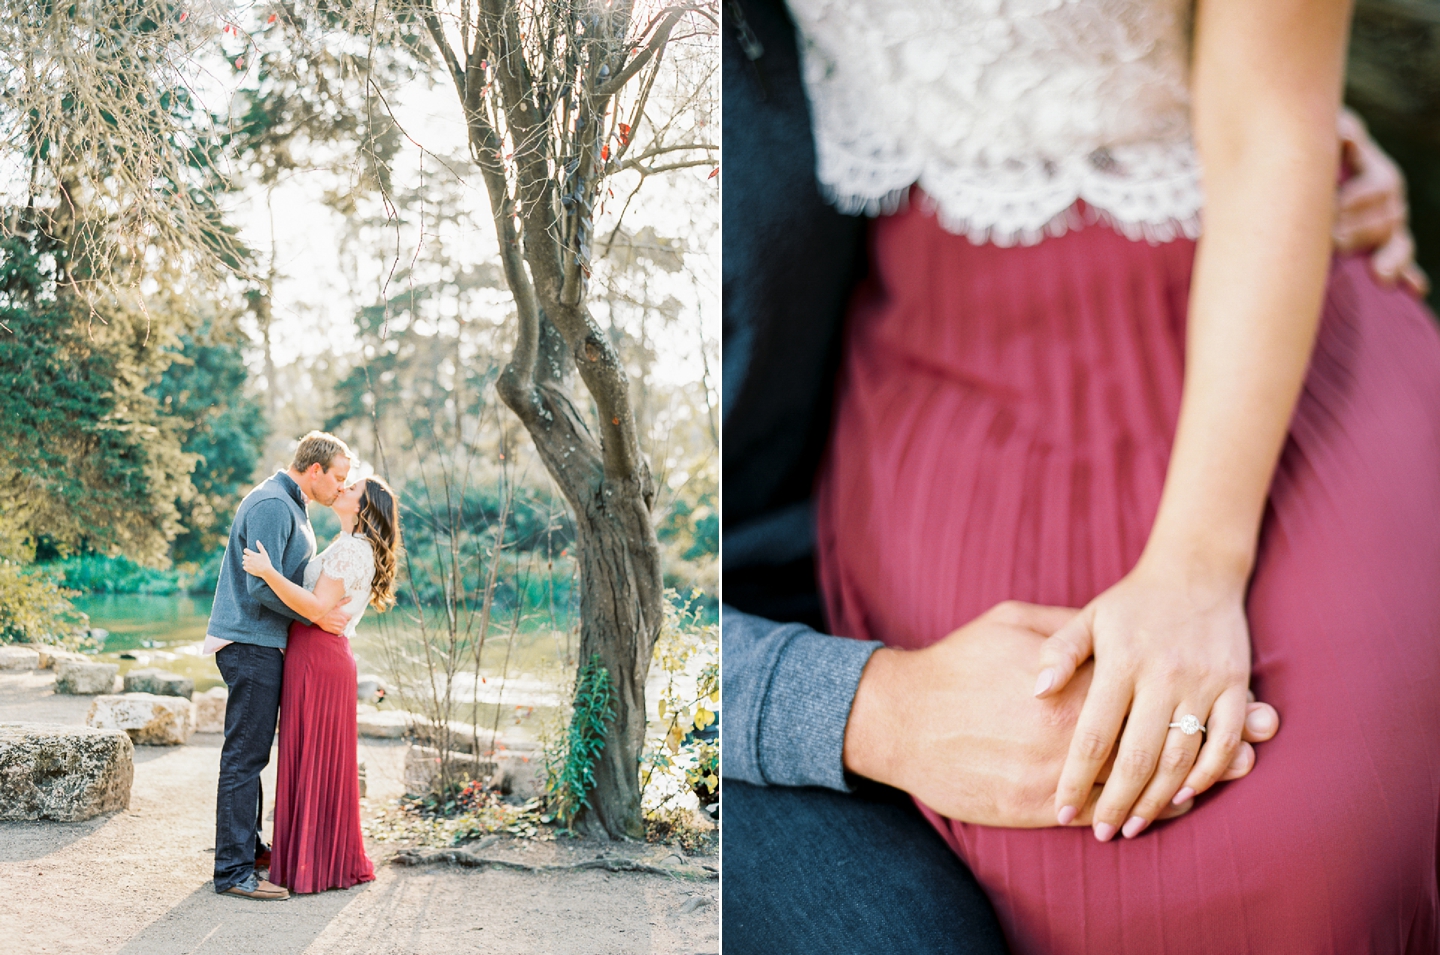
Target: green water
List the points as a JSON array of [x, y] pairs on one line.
[[161, 631], [523, 669]]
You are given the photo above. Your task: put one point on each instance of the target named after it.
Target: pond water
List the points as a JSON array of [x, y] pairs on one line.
[[521, 675], [149, 630]]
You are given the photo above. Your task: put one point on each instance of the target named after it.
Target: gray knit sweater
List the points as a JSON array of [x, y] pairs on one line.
[[246, 610], [788, 692]]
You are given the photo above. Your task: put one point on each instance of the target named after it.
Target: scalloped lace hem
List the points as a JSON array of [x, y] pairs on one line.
[[1155, 230]]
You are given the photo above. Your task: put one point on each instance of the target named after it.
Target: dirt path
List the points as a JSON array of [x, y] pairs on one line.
[[138, 881]]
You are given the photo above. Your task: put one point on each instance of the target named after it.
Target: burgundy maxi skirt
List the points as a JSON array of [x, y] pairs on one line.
[[318, 844], [1004, 417]]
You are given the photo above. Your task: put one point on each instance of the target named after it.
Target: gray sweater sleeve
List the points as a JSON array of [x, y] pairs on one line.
[[788, 692], [270, 523]]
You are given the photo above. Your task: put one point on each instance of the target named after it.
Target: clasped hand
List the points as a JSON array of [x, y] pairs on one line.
[[956, 725], [1167, 643]]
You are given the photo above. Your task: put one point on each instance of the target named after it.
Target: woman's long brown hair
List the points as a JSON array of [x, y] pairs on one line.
[[379, 521]]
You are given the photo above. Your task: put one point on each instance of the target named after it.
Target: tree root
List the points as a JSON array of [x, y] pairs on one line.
[[470, 860]]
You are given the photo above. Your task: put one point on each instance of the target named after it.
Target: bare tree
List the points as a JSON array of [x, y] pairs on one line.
[[554, 95]]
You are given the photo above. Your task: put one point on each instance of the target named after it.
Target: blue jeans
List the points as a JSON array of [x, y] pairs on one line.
[[253, 674], [818, 872]]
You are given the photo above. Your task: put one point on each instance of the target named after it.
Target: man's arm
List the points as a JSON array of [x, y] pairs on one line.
[[788, 692], [269, 523], [955, 724]]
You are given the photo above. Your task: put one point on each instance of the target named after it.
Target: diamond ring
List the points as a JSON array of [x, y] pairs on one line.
[[1189, 725]]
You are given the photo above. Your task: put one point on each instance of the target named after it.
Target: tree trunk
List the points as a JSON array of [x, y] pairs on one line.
[[620, 611]]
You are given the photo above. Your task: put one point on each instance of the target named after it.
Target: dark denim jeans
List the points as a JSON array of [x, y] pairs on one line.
[[253, 674], [818, 872]]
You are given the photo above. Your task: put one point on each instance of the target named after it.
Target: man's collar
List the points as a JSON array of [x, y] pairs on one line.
[[291, 488]]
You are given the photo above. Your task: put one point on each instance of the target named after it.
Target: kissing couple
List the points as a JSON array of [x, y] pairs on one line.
[[280, 630]]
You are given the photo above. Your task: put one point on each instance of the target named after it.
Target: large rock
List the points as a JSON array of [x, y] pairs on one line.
[[422, 769], [63, 773], [49, 656], [149, 719], [520, 774], [391, 725], [463, 737], [159, 682], [77, 677], [19, 658], [369, 689], [210, 710]]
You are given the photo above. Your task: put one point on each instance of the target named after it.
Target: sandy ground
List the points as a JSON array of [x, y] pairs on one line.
[[138, 881]]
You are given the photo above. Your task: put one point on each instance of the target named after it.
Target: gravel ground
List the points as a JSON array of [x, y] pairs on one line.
[[138, 881]]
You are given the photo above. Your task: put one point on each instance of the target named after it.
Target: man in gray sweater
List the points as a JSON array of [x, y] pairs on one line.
[[247, 633]]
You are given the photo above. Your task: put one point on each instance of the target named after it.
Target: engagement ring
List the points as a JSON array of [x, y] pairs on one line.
[[1189, 725]]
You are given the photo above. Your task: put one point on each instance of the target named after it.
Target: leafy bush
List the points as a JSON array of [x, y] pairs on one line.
[[684, 756], [33, 606]]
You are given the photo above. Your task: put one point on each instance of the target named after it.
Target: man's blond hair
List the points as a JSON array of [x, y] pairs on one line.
[[320, 448]]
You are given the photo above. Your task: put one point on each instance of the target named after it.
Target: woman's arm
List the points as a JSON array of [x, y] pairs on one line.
[[1171, 638], [329, 592]]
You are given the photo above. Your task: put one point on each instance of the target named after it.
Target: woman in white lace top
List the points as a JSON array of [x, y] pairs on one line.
[[318, 844], [1222, 443]]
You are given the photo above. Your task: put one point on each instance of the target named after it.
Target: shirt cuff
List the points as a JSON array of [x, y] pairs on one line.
[[801, 734]]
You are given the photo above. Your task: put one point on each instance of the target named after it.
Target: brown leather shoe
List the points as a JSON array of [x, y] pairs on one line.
[[262, 890]]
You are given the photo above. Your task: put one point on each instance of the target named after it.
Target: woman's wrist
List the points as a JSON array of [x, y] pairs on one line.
[[1204, 560]]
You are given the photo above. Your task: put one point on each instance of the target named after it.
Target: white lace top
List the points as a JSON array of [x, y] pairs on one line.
[[351, 560], [1005, 112]]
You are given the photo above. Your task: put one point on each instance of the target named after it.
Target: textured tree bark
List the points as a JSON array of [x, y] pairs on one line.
[[543, 121]]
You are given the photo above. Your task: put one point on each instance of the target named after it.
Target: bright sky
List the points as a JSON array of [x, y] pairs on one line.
[[314, 299]]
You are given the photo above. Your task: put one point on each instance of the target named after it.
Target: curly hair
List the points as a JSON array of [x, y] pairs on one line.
[[379, 522]]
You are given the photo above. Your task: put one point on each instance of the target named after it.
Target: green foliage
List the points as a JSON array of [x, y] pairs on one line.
[[87, 457], [570, 772], [222, 425], [33, 608], [684, 756], [99, 574]]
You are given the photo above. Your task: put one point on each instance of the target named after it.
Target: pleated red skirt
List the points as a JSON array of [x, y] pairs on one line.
[[1004, 419], [318, 843]]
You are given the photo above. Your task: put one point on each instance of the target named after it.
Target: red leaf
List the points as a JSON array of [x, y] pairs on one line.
[[183, 15], [605, 151], [239, 62], [484, 64], [614, 420], [272, 19], [713, 173]]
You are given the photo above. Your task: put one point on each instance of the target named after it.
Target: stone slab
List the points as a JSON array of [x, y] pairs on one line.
[[422, 769], [49, 656], [63, 773], [210, 710], [369, 688], [19, 658], [85, 678], [150, 720], [159, 682]]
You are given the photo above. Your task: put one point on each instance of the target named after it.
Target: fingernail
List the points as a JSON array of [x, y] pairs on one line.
[[1182, 795], [1258, 722], [1046, 681], [1104, 831], [1067, 815], [1134, 826]]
